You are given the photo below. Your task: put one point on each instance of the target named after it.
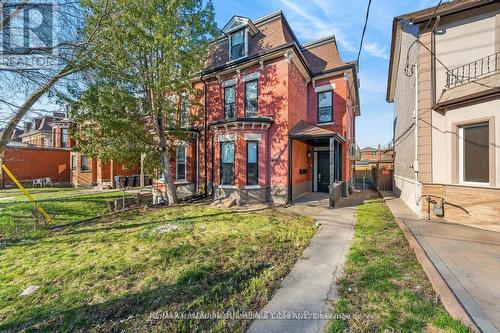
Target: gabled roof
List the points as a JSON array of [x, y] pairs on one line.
[[238, 22], [369, 149]]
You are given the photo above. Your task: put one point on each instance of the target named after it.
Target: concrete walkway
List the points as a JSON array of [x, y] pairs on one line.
[[468, 259], [310, 285]]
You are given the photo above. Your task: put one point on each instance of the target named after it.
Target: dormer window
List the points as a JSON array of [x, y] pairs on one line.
[[237, 44]]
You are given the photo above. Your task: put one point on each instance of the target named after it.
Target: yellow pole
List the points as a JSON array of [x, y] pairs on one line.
[[47, 217]]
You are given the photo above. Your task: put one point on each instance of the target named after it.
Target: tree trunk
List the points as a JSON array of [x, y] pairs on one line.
[[165, 163]]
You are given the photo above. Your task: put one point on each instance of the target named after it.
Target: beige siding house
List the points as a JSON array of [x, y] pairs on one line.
[[444, 81]]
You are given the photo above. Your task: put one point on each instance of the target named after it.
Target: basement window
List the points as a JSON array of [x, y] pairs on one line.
[[473, 153]]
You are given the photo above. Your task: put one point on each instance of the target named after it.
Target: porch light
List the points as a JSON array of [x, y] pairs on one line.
[[308, 154]]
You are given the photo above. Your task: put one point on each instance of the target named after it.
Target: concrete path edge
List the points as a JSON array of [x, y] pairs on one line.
[[446, 295]]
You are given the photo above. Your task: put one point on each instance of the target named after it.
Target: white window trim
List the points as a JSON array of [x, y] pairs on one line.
[[245, 41], [323, 124], [324, 87], [252, 136], [177, 164], [252, 187], [461, 160], [251, 76], [228, 186]]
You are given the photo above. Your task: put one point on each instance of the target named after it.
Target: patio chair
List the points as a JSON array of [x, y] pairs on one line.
[[37, 182], [48, 182]]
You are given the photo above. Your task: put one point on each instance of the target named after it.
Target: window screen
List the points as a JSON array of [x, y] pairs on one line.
[[252, 163], [475, 154], [227, 163]]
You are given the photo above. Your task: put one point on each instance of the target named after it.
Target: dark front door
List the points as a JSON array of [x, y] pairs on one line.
[[323, 171]]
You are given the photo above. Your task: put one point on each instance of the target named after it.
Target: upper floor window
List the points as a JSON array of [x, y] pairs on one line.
[[251, 98], [474, 154], [229, 101], [64, 137], [184, 117], [237, 44], [325, 107]]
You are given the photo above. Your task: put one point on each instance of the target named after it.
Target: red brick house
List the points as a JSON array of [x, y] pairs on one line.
[[277, 118]]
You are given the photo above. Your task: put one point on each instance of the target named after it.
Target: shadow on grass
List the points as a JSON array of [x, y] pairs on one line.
[[203, 287]]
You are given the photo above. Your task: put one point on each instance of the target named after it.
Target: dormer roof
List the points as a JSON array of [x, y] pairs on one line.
[[238, 22]]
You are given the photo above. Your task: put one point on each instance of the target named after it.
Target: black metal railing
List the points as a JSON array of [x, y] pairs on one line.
[[473, 70]]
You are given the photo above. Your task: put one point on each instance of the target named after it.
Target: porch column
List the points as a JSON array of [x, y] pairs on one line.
[[332, 172], [289, 187]]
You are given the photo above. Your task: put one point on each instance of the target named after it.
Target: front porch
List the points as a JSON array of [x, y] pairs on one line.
[[315, 163]]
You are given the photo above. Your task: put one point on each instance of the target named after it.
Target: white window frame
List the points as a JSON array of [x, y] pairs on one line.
[[461, 156], [245, 42], [177, 164]]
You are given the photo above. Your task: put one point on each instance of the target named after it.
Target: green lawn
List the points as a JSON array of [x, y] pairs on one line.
[[65, 204], [119, 274], [384, 289]]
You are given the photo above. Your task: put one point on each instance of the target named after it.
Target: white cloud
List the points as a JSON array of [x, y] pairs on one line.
[[312, 27], [376, 50]]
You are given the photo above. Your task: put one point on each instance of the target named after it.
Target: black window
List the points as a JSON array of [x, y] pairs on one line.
[[64, 137], [73, 162], [84, 166], [251, 98], [325, 107], [238, 44], [475, 153], [181, 163], [252, 163], [229, 101], [227, 163]]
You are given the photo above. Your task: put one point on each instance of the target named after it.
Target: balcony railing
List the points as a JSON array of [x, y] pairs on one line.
[[473, 70]]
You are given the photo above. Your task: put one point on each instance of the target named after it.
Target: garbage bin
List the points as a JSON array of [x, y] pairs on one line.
[[137, 181], [118, 183], [130, 181]]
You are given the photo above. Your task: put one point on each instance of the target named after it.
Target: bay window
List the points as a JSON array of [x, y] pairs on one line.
[[325, 107], [473, 152], [227, 163], [251, 98], [252, 163]]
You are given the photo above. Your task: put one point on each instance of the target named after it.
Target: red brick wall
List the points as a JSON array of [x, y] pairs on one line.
[[31, 163]]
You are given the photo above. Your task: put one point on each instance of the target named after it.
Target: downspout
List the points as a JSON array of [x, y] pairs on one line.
[[197, 161], [205, 131], [415, 117]]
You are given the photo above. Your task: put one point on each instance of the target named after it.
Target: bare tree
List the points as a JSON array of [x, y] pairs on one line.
[[27, 74]]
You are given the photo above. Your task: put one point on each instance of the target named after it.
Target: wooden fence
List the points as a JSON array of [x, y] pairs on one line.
[[375, 179]]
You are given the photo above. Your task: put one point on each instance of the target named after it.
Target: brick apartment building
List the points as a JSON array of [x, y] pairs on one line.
[[277, 117]]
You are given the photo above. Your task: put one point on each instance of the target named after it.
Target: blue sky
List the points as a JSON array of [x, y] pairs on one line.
[[313, 19]]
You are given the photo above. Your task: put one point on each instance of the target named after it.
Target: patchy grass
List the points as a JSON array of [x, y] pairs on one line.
[[121, 274], [66, 205], [384, 289]]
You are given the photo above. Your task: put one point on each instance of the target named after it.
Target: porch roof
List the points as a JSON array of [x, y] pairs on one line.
[[305, 131]]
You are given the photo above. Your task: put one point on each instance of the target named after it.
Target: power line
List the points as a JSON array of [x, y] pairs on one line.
[[364, 30], [407, 65]]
